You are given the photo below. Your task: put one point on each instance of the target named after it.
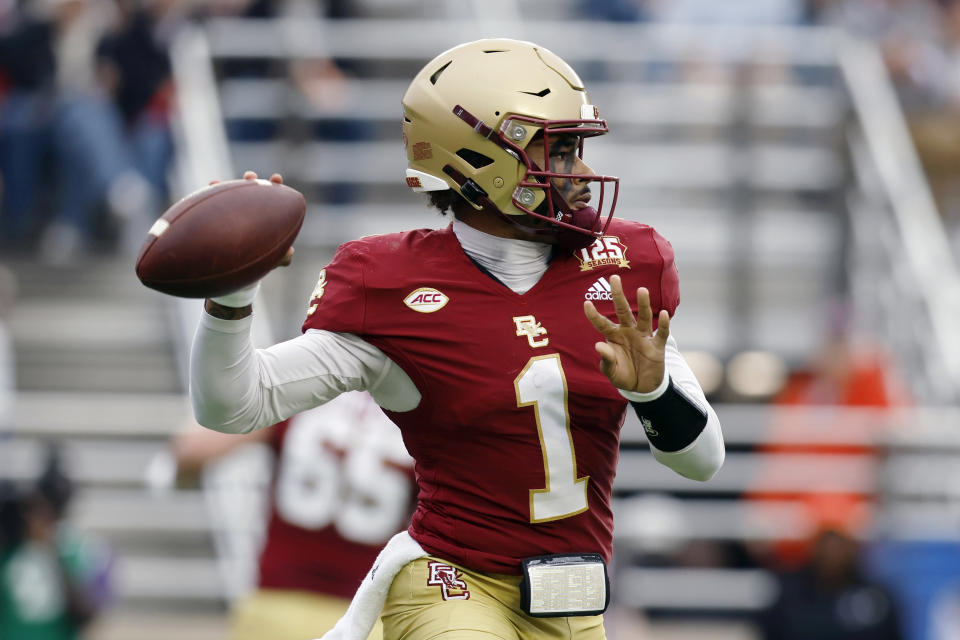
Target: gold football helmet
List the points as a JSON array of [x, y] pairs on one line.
[[468, 117]]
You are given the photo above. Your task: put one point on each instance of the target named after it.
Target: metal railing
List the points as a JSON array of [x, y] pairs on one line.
[[918, 243]]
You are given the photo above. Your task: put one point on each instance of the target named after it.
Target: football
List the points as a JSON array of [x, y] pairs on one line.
[[220, 238]]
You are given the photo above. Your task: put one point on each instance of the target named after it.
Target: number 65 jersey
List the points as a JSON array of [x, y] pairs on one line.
[[516, 436], [342, 487]]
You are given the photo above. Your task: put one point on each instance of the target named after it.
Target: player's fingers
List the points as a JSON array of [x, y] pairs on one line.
[[276, 178], [249, 175], [624, 313], [663, 328], [599, 321], [644, 312], [287, 258], [608, 359]]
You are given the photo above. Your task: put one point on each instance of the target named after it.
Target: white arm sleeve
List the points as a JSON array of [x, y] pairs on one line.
[[235, 388], [703, 457]]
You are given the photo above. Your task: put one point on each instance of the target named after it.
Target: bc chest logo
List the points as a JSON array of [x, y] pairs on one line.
[[426, 300], [529, 327]]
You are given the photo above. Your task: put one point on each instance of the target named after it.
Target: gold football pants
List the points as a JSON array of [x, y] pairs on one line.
[[433, 600]]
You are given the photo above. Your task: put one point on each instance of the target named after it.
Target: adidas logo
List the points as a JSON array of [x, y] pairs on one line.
[[599, 290]]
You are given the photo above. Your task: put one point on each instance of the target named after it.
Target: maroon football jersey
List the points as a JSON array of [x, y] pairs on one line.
[[343, 485], [516, 437]]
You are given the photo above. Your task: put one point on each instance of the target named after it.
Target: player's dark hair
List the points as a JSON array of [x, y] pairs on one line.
[[444, 200]]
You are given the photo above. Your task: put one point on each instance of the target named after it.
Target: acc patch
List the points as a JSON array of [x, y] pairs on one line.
[[426, 300], [605, 251]]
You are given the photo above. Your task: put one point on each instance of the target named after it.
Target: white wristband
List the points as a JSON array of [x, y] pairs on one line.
[[240, 298], [637, 396]]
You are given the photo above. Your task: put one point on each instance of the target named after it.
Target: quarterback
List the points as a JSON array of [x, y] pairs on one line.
[[505, 347]]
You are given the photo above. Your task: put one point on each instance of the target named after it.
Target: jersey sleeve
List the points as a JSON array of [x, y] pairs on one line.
[[276, 435], [669, 276], [338, 302]]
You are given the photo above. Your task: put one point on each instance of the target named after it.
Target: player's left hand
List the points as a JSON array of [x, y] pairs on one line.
[[633, 355]]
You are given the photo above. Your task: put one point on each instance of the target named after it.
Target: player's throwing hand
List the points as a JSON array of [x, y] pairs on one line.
[[633, 355]]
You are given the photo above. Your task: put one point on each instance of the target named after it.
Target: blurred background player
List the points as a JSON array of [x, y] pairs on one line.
[[342, 485]]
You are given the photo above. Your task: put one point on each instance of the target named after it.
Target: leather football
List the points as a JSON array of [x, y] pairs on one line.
[[221, 238]]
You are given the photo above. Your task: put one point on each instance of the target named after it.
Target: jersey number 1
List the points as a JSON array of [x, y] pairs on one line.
[[543, 385]]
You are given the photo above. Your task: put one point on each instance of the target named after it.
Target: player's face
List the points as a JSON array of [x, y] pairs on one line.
[[564, 158]]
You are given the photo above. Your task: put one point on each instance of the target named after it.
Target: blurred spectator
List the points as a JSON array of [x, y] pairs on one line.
[[698, 12], [935, 123], [846, 372], [701, 64], [908, 33], [830, 598], [27, 69], [321, 108], [342, 486], [134, 68], [730, 12], [52, 582], [615, 10], [920, 42], [59, 125]]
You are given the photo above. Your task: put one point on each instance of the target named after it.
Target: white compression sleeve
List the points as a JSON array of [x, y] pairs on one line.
[[235, 388], [703, 457]]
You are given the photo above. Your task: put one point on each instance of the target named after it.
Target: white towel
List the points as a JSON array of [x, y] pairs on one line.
[[367, 602]]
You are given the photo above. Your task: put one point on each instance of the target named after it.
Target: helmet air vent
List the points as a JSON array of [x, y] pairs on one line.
[[495, 50], [539, 94], [436, 74], [474, 159]]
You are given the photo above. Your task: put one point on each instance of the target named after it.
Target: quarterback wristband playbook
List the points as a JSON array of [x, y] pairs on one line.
[[672, 421], [562, 585]]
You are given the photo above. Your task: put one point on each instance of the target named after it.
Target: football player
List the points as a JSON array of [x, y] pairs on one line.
[[480, 341], [342, 486]]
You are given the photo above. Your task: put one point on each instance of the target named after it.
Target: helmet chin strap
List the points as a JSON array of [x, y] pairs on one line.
[[587, 219]]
